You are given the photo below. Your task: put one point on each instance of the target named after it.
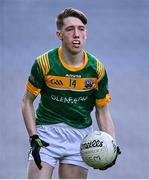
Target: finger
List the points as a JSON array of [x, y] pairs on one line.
[[45, 144], [37, 158], [103, 168], [118, 150]]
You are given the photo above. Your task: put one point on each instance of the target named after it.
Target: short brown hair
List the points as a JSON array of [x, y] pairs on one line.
[[70, 12]]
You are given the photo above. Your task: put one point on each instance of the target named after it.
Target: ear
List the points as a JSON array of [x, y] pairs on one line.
[[59, 35]]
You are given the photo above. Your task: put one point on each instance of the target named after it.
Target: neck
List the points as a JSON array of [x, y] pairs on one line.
[[74, 60]]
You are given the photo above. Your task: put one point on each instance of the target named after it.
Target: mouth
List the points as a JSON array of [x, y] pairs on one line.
[[76, 43]]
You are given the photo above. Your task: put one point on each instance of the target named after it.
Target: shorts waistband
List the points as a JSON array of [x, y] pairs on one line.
[[63, 125]]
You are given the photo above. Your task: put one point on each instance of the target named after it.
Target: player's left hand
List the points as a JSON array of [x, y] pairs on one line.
[[36, 143], [114, 161]]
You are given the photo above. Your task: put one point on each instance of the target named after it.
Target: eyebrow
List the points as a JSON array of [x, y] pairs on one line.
[[71, 26]]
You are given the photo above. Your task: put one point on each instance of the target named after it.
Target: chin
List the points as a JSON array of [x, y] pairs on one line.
[[75, 50]]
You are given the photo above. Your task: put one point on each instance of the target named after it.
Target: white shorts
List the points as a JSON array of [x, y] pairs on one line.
[[64, 143]]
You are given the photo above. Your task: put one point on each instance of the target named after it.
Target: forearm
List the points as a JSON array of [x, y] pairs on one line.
[[104, 120], [29, 116]]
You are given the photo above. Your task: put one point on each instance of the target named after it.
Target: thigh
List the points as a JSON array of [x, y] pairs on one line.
[[72, 147], [69, 171], [34, 173]]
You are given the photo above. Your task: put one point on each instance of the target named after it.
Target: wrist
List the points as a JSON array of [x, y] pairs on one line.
[[33, 137], [32, 131]]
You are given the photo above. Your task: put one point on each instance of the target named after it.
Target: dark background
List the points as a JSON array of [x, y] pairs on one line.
[[118, 33]]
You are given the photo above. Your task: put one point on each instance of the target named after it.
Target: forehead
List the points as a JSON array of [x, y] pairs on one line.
[[72, 21]]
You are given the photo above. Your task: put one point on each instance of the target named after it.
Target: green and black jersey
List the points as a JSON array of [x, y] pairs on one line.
[[68, 94]]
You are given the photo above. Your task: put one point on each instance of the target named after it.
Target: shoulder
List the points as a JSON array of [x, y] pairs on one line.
[[45, 56], [43, 60], [97, 64], [93, 59]]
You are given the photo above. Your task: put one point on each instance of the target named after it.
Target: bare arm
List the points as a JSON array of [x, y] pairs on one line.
[[29, 113], [104, 120]]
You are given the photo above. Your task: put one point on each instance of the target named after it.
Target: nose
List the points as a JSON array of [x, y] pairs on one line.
[[76, 33]]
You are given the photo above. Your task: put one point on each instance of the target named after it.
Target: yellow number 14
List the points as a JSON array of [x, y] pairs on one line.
[[72, 83]]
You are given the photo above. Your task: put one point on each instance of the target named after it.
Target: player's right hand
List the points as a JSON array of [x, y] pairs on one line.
[[114, 161], [36, 143]]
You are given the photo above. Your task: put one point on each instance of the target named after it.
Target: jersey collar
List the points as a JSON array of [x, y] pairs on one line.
[[70, 68]]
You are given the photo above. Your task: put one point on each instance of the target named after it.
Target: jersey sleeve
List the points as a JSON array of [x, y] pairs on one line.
[[102, 93], [35, 80]]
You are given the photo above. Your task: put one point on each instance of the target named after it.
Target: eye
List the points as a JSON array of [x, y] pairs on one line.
[[81, 28], [69, 29]]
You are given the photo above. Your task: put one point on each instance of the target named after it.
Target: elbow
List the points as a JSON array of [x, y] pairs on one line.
[[23, 102]]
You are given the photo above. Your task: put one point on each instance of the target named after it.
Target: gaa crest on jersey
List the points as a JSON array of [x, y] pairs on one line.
[[89, 83]]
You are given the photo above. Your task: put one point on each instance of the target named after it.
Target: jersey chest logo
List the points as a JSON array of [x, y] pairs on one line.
[[56, 82]]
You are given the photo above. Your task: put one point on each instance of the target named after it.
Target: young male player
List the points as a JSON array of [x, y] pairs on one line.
[[71, 82]]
